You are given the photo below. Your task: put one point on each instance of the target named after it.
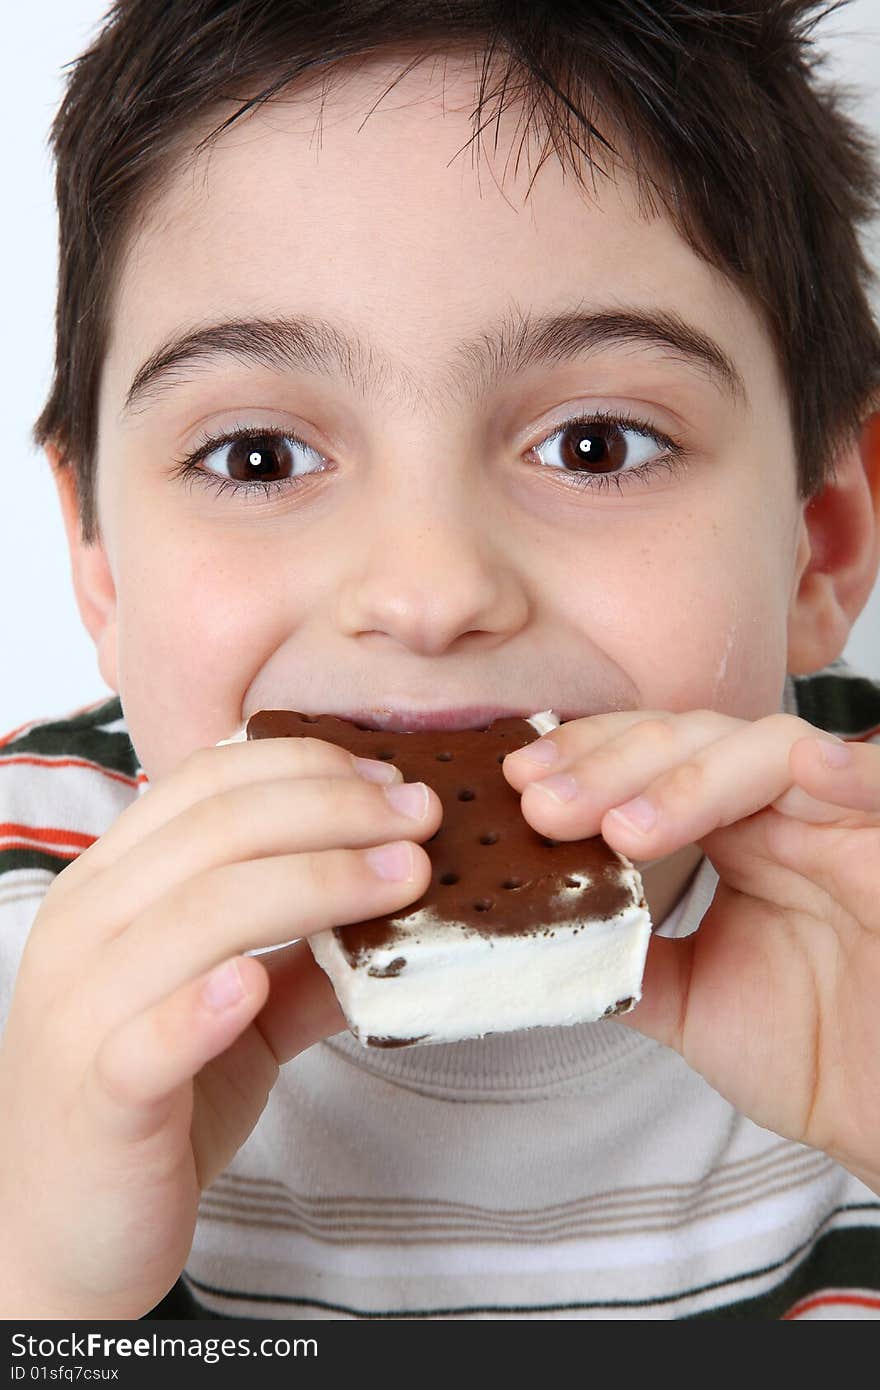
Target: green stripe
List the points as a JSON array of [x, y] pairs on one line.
[[846, 705], [78, 737], [846, 1259], [81, 737], [11, 859]]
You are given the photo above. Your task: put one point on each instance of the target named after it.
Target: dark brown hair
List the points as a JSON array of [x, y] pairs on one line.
[[717, 107]]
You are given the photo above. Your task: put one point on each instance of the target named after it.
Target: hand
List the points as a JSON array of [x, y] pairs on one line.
[[123, 1091], [774, 1000]]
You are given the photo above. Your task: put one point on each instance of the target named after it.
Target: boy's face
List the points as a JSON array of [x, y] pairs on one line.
[[436, 552]]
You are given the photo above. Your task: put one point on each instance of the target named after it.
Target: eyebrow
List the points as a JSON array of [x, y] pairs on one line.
[[505, 349]]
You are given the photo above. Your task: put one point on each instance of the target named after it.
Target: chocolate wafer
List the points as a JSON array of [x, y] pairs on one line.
[[515, 929]]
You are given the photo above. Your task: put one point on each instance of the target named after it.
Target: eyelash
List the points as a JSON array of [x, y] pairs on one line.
[[674, 459]]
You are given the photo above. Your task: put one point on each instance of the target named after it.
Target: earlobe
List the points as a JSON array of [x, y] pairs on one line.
[[93, 583], [838, 556]]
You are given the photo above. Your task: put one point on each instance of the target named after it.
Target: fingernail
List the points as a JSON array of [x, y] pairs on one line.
[[393, 861], [410, 798], [543, 751], [638, 813], [223, 987], [375, 771], [560, 786], [835, 754]]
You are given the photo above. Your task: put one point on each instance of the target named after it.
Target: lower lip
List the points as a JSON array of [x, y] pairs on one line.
[[448, 720]]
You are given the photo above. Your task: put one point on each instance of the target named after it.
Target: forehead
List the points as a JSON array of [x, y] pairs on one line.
[[369, 204]]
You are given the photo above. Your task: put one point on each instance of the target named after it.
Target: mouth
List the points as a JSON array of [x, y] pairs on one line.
[[398, 721]]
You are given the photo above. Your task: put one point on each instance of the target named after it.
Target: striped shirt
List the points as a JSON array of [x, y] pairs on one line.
[[571, 1173]]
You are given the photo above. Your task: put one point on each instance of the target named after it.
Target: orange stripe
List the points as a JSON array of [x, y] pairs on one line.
[[45, 834], [825, 1300], [34, 760], [872, 733]]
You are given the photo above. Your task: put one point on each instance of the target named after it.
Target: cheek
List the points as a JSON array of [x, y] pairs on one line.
[[694, 613], [730, 639], [193, 630]]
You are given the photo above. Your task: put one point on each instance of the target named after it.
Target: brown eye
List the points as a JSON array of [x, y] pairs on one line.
[[245, 461], [595, 447], [258, 458], [598, 448]]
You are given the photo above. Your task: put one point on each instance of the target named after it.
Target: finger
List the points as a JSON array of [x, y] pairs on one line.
[[554, 752], [208, 772], [734, 779], [666, 984], [250, 821], [730, 779], [302, 1008], [851, 782], [617, 769], [143, 1062], [242, 907]]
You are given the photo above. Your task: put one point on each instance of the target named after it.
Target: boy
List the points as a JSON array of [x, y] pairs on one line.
[[340, 425]]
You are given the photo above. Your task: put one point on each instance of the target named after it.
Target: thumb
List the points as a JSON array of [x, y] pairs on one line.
[[302, 1008], [661, 1011]]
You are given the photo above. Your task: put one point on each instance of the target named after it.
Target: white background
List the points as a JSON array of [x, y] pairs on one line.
[[48, 660]]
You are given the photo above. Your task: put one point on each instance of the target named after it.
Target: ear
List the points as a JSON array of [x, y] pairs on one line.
[[838, 556], [92, 579]]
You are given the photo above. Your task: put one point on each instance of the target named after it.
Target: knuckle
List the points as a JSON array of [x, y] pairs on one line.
[[39, 950], [356, 804], [44, 956], [340, 802], [296, 749], [201, 898], [681, 788], [209, 819], [202, 762], [856, 856], [112, 1076], [304, 751], [788, 724], [323, 873], [707, 725], [205, 771], [706, 715], [657, 732], [642, 738]]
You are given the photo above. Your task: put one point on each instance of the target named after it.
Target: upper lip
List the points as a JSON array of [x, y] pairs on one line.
[[397, 721]]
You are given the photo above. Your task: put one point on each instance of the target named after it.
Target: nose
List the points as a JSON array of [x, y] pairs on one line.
[[431, 572]]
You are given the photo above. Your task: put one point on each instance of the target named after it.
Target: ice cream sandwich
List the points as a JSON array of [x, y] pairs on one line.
[[515, 930]]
